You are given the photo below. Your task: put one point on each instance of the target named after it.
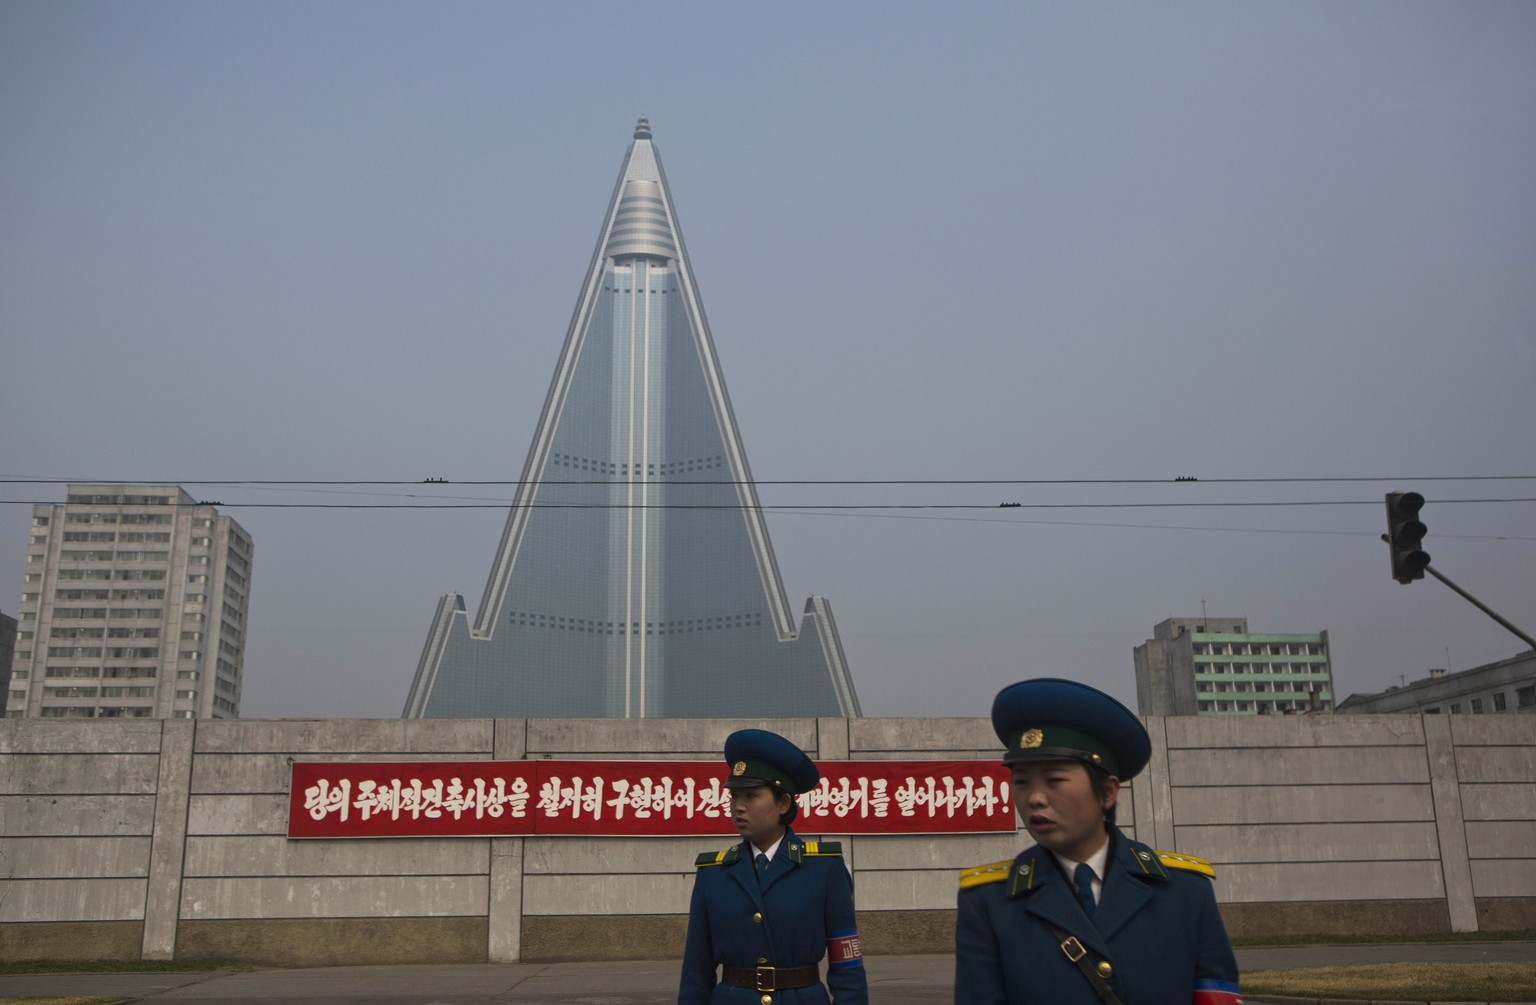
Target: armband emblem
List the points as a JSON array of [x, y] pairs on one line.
[[844, 951]]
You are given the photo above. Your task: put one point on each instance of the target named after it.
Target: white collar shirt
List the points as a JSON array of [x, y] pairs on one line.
[[1098, 861], [770, 851]]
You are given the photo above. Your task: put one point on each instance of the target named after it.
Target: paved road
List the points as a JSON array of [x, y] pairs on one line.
[[894, 980]]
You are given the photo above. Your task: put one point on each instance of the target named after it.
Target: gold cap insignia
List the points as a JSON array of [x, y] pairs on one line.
[[1031, 738], [738, 769]]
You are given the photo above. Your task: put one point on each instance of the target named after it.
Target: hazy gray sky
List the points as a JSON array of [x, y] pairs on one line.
[[301, 241]]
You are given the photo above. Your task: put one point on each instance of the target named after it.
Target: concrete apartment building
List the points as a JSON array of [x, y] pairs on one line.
[[1493, 688], [1215, 666], [133, 605], [7, 649]]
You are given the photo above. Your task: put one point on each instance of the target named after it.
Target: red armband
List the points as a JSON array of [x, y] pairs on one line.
[[844, 951], [1208, 992]]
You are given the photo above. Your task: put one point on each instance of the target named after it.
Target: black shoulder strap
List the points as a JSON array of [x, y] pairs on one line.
[[1078, 954]]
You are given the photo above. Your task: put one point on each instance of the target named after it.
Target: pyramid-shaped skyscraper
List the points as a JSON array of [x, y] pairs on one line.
[[635, 577]]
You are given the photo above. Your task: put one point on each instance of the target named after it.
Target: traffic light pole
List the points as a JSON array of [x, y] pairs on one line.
[[1480, 605]]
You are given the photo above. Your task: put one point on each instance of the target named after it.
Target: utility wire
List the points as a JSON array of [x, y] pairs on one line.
[[1017, 522], [798, 506], [1180, 480]]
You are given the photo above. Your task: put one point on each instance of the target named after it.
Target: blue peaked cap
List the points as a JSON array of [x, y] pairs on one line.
[[1049, 719], [757, 757]]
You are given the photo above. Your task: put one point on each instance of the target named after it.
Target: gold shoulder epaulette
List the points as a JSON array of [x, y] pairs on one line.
[[815, 849], [725, 857], [981, 875], [1190, 863]]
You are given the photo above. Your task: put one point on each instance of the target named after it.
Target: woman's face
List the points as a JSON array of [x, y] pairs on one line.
[[1057, 805], [756, 813]]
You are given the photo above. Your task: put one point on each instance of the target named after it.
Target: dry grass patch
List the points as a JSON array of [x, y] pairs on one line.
[[1424, 982]]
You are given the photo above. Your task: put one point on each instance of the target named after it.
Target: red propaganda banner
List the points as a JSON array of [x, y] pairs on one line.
[[335, 799]]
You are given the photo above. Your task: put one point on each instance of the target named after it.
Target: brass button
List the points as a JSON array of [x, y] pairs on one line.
[[1105, 970], [767, 999], [757, 917], [761, 960]]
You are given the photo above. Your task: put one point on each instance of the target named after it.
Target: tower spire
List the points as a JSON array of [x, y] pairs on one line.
[[635, 576]]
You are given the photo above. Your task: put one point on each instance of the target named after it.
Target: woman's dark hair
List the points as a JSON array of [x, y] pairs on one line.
[[788, 817], [1099, 779]]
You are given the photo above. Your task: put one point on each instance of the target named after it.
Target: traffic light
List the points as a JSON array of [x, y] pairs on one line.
[[1404, 535]]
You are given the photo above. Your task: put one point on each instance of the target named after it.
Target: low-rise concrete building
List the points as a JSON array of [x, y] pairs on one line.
[[1506, 686]]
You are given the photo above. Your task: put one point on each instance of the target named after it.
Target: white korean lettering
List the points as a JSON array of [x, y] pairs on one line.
[[578, 797], [323, 798], [518, 799]]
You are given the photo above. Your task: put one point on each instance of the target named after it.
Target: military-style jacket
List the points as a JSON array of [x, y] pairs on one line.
[[1156, 932], [805, 902]]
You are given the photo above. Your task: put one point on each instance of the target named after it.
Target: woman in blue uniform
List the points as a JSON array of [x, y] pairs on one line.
[[764, 912], [1087, 916]]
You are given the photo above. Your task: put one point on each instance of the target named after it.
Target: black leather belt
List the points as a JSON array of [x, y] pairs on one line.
[[771, 978]]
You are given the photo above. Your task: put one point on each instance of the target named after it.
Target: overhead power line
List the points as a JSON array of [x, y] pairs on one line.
[[1178, 480], [797, 506]]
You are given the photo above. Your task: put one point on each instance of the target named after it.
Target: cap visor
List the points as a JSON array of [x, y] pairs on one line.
[[746, 783]]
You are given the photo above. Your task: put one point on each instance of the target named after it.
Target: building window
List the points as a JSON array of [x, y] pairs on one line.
[[1477, 706], [1499, 704], [1432, 711], [1525, 697], [1455, 708]]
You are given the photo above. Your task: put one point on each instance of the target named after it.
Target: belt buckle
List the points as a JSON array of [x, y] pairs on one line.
[[771, 977], [1074, 949]]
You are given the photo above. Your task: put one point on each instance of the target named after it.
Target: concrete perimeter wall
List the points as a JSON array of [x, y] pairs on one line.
[[166, 839]]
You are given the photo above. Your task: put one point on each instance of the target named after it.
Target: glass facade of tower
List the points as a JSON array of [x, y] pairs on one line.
[[635, 576]]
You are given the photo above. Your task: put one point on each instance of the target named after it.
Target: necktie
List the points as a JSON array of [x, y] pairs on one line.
[[1082, 876], [762, 867]]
